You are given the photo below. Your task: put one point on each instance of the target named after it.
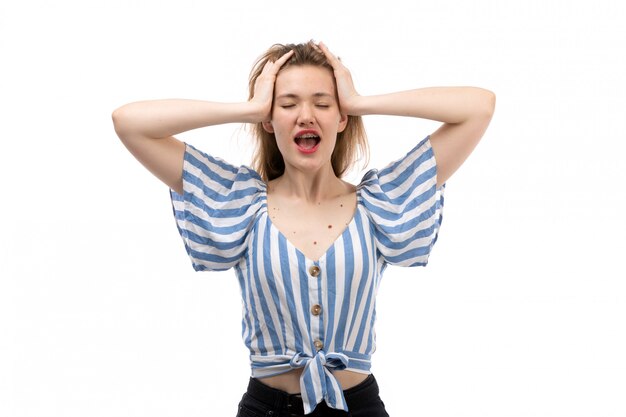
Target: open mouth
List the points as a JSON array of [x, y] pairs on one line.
[[307, 142]]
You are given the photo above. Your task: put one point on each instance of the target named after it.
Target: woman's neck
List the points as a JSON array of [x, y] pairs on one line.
[[309, 187]]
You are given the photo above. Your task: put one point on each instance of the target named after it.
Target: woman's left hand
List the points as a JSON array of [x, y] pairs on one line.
[[348, 96]]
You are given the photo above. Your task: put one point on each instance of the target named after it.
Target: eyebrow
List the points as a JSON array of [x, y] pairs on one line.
[[292, 95]]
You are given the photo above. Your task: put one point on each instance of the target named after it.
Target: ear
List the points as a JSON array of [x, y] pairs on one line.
[[343, 122], [268, 127]]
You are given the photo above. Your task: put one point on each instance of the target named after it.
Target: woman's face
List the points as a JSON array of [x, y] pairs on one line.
[[305, 117]]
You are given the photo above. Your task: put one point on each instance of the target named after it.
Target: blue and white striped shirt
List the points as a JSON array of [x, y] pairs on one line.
[[300, 313]]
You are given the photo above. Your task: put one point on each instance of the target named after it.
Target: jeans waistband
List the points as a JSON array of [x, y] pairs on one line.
[[273, 397]]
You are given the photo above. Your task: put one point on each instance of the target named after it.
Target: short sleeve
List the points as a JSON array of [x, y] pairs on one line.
[[216, 210], [405, 206]]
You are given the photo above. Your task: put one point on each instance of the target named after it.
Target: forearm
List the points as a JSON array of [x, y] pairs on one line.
[[163, 118], [445, 104]]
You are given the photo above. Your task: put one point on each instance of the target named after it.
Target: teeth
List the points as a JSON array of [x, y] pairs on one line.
[[308, 135]]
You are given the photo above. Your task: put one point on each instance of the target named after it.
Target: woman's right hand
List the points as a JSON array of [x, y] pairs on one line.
[[264, 88]]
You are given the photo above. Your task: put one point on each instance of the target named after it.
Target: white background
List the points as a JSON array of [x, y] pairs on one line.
[[522, 309]]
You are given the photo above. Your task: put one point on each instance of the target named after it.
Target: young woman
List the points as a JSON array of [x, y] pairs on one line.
[[308, 248]]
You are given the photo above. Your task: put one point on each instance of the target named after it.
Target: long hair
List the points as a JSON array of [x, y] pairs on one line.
[[351, 144]]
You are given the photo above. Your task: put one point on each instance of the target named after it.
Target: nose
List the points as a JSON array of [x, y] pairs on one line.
[[305, 117]]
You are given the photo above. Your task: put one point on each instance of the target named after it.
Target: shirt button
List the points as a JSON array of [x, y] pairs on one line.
[[314, 270], [316, 310], [318, 345]]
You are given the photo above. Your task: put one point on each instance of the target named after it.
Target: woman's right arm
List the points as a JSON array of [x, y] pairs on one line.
[[147, 129]]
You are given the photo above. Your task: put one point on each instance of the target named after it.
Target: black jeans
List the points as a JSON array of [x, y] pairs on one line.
[[263, 401]]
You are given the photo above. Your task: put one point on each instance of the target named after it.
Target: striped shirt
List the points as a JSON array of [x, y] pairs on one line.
[[297, 312]]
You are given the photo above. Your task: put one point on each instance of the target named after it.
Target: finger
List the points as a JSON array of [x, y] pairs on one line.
[[334, 60], [275, 66], [280, 61], [272, 67], [317, 47], [266, 67]]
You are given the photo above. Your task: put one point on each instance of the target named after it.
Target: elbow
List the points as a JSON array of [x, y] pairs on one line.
[[488, 103], [120, 121], [480, 104]]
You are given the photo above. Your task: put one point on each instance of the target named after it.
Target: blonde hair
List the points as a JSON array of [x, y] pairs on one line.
[[351, 144]]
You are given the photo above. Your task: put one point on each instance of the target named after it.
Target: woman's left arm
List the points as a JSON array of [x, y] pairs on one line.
[[464, 111]]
